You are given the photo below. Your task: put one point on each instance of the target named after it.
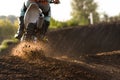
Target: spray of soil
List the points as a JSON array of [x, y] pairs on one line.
[[29, 50], [88, 53]]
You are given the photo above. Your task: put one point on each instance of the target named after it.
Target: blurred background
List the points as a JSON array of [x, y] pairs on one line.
[[69, 13]]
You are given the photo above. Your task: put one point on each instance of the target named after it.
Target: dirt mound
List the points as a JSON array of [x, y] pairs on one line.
[[50, 69], [86, 40], [81, 53], [30, 62]]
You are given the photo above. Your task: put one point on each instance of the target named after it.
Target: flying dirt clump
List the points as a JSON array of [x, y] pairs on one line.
[[29, 50]]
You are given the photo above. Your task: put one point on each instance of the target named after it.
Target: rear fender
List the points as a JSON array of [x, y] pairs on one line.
[[32, 15]]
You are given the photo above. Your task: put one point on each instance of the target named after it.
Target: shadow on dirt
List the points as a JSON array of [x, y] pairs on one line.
[[106, 58]]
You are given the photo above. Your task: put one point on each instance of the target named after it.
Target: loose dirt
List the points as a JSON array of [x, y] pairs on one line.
[[79, 53]]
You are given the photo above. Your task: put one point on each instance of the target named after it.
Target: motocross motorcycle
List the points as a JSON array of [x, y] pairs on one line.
[[33, 22]]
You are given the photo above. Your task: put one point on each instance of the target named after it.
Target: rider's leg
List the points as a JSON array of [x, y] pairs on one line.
[[46, 24], [20, 31], [44, 29]]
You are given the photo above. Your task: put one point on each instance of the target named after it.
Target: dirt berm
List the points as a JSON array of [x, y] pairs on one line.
[[87, 39], [79, 53]]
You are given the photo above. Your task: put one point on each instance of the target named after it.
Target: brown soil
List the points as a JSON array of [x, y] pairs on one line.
[[86, 53]]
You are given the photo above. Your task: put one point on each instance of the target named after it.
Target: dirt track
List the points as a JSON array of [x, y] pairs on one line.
[[87, 53]]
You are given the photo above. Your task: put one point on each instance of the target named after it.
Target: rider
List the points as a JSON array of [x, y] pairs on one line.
[[45, 6]]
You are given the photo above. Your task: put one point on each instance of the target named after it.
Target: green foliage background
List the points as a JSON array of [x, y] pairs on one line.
[[82, 9], [54, 24], [80, 16], [7, 28]]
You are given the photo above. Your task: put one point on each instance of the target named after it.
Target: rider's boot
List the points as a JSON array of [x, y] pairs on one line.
[[44, 29], [20, 31]]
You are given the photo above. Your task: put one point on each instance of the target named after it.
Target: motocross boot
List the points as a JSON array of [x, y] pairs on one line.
[[20, 31], [43, 30]]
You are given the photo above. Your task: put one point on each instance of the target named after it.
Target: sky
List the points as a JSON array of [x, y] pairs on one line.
[[61, 11], [111, 7]]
